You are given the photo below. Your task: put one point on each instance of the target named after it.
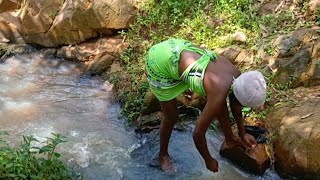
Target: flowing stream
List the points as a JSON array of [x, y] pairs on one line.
[[39, 96]]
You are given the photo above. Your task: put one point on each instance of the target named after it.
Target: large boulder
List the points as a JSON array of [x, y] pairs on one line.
[[296, 58], [291, 69], [296, 129], [53, 23]]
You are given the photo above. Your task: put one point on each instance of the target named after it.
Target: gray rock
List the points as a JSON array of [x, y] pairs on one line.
[[290, 69]]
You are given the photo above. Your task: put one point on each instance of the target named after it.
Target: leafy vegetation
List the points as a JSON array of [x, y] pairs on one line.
[[209, 23], [29, 162], [4, 50]]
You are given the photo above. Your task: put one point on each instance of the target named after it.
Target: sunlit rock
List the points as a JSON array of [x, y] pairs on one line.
[[240, 37], [254, 160], [53, 23], [297, 132]]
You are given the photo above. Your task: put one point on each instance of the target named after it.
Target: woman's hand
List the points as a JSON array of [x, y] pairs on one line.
[[212, 165], [249, 140]]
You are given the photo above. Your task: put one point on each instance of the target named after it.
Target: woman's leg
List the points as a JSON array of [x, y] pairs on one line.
[[171, 116]]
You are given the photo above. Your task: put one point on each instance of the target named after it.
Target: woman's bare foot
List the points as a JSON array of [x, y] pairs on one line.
[[167, 164]]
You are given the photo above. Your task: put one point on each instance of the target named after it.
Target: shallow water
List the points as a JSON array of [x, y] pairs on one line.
[[39, 96]]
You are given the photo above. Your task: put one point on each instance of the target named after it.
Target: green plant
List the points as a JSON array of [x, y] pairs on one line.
[[4, 51], [52, 143], [246, 111], [27, 161], [282, 22]]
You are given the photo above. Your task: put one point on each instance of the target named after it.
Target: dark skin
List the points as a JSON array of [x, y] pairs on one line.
[[217, 81]]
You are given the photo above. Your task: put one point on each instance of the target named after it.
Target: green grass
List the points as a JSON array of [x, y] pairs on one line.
[[216, 26], [30, 162], [3, 50]]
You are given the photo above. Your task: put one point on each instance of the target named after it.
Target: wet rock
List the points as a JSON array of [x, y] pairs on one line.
[[297, 129], [20, 48], [100, 64], [49, 52], [255, 160], [186, 125], [189, 111], [150, 103], [147, 123], [69, 52], [7, 50], [113, 72]]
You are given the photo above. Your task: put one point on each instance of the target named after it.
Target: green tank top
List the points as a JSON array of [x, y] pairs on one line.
[[162, 69]]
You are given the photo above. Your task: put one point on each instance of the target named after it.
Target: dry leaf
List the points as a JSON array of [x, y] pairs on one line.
[[307, 115]]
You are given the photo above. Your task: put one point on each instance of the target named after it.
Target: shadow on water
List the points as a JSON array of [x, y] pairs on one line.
[[39, 96]]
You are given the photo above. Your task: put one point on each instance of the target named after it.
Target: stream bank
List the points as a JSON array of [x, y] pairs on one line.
[[41, 95]]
